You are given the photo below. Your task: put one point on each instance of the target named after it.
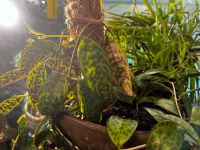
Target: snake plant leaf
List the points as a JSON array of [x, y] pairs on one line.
[[35, 52], [120, 69], [22, 126], [165, 136], [161, 117], [91, 103], [95, 66], [120, 130], [8, 105], [195, 116], [36, 77], [11, 77], [52, 94]]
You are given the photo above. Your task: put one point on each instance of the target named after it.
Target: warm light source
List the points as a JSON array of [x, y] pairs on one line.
[[8, 13]]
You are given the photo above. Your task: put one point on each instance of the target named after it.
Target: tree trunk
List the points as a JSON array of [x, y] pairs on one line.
[[85, 17]]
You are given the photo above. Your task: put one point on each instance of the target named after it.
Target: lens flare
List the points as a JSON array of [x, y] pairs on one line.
[[8, 13]]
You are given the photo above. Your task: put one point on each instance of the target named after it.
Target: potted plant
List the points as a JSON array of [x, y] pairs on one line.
[[91, 78]]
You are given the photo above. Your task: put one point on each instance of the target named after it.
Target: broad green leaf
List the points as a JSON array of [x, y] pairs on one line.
[[43, 136], [168, 105], [160, 117], [165, 136], [8, 105], [11, 77], [120, 130], [195, 117]]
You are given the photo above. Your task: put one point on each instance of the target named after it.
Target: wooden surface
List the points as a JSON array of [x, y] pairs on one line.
[[90, 136]]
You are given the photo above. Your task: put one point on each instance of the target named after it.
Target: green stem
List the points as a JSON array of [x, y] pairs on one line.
[[176, 100]]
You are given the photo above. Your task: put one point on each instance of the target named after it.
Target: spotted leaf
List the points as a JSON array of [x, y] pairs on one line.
[[35, 52], [52, 94], [95, 67], [36, 77], [8, 105], [11, 77], [120, 130], [165, 136], [91, 104]]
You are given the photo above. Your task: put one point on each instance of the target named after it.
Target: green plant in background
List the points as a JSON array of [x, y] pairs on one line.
[[163, 44]]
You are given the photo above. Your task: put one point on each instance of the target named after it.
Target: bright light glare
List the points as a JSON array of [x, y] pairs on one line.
[[8, 13]]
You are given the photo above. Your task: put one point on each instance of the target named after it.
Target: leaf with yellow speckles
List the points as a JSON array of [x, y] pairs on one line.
[[11, 77], [8, 105], [36, 77], [120, 130]]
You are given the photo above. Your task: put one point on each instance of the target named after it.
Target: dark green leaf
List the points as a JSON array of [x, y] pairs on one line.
[[120, 130], [122, 96], [43, 136], [165, 136], [195, 117], [8, 105]]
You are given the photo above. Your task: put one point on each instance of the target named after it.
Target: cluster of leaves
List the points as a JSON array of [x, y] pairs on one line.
[[162, 43]]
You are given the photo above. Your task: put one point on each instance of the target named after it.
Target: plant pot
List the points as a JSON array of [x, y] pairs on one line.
[[33, 117], [90, 136]]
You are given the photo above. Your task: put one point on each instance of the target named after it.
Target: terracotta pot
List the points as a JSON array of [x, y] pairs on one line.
[[90, 136]]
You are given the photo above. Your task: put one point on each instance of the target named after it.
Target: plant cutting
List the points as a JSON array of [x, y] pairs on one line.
[[86, 83]]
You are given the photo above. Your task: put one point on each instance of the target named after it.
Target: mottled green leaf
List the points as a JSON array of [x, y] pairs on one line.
[[52, 94], [165, 136], [36, 77], [95, 66], [8, 105], [11, 77], [35, 52], [160, 117], [120, 130], [195, 117], [90, 102]]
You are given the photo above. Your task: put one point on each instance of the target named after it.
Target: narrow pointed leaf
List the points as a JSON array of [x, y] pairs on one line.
[[11, 77], [120, 130], [8, 105]]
